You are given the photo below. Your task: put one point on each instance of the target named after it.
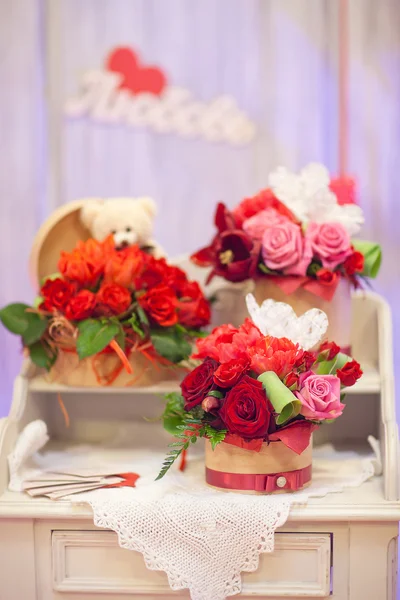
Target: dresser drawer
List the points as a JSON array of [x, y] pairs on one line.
[[91, 562]]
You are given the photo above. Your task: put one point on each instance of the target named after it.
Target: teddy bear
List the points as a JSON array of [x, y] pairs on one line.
[[129, 220]]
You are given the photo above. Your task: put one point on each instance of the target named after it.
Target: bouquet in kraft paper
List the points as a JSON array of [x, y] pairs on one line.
[[110, 316], [256, 396]]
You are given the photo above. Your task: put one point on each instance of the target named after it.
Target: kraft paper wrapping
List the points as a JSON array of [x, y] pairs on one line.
[[272, 458], [107, 370]]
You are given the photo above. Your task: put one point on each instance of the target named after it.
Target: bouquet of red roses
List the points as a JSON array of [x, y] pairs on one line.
[[252, 390], [297, 233], [108, 300]]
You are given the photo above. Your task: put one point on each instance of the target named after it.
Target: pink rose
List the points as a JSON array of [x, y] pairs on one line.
[[320, 396], [330, 242], [256, 225], [285, 249]]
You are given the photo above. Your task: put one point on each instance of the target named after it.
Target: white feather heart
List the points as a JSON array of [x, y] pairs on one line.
[[279, 320]]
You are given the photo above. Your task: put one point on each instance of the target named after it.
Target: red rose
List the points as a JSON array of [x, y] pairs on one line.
[[124, 266], [354, 263], [81, 306], [327, 277], [228, 374], [159, 303], [246, 410], [330, 350], [189, 290], [349, 373], [112, 299], [195, 313], [305, 361], [175, 278], [198, 383], [291, 380], [154, 273], [56, 294]]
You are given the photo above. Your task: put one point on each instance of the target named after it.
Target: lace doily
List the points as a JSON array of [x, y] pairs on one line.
[[202, 538]]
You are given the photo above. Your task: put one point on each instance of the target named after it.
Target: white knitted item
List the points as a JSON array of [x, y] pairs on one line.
[[202, 538]]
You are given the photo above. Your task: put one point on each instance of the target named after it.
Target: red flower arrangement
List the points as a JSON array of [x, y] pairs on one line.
[[251, 389], [296, 233], [106, 298]]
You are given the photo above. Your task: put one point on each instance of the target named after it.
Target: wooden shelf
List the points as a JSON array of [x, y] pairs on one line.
[[39, 384], [370, 383]]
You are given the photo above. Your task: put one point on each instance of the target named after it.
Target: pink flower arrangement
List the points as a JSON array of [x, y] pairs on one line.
[[267, 238]]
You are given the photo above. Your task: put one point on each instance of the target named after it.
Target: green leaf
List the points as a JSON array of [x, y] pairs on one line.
[[372, 256], [189, 430], [42, 355], [265, 269], [37, 325], [331, 366], [94, 336], [216, 436], [282, 399], [37, 301], [51, 278], [174, 413], [120, 337], [171, 345], [216, 394], [134, 323], [142, 315], [313, 268], [15, 318]]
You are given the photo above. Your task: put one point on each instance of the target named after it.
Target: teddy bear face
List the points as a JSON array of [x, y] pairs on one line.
[[129, 220]]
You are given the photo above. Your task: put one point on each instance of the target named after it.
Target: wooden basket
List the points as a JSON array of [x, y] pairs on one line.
[[275, 469], [338, 310]]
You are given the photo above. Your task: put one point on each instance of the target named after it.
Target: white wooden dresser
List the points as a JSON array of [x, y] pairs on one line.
[[343, 546]]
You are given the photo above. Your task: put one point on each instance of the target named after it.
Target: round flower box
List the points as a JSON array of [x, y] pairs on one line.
[[273, 469], [338, 310]]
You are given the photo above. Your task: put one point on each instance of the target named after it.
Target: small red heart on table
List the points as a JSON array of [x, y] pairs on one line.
[[135, 78]]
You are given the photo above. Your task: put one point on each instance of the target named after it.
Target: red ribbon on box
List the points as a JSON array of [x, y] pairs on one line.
[[264, 482]]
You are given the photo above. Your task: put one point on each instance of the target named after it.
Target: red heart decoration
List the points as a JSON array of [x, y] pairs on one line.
[[136, 79]]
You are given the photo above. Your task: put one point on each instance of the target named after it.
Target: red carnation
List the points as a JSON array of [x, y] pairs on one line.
[[354, 263], [274, 354], [329, 350], [198, 383], [228, 374], [246, 410], [160, 303], [56, 294], [349, 373], [261, 201], [112, 299], [81, 306]]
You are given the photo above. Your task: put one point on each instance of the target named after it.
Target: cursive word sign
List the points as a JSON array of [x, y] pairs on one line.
[[110, 96]]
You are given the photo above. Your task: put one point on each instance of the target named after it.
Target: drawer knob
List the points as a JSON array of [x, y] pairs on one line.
[[281, 482]]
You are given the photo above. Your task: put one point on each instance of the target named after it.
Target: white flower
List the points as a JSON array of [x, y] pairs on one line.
[[309, 197]]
